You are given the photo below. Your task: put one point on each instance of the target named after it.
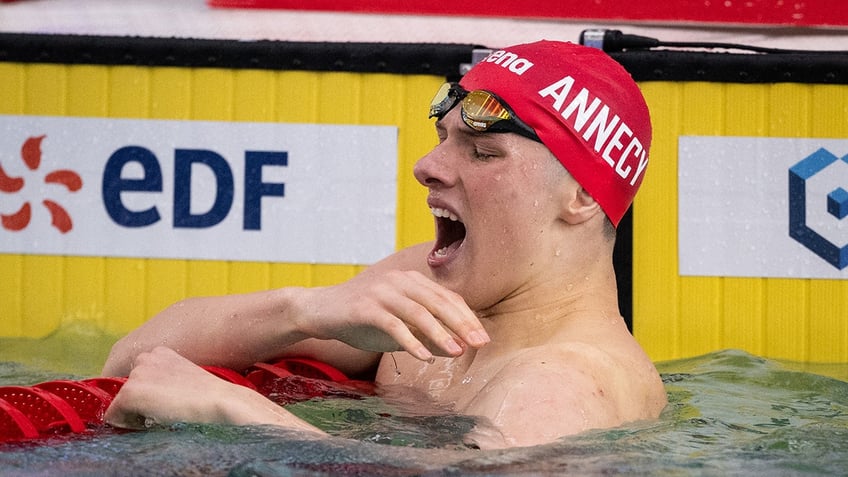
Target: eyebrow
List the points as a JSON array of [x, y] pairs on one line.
[[464, 130]]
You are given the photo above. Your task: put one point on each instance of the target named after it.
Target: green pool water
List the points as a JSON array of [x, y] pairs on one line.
[[729, 413]]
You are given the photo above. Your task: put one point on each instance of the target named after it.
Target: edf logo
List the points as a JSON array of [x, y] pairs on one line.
[[31, 157], [829, 193], [114, 184]]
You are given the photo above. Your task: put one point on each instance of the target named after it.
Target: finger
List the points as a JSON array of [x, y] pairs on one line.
[[426, 327], [119, 415], [393, 297], [385, 332], [450, 309], [130, 421], [401, 333]]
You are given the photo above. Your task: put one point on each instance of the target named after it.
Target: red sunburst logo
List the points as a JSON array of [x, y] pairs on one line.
[[31, 156]]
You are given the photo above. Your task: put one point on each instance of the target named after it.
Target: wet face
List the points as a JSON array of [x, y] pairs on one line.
[[494, 197]]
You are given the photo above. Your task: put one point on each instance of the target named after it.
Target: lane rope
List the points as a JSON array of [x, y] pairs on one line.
[[65, 406]]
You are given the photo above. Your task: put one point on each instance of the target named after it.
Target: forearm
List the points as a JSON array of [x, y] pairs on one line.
[[233, 331], [253, 409], [163, 389]]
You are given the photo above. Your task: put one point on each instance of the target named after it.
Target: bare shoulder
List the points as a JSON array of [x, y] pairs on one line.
[[410, 258], [544, 393], [623, 377]]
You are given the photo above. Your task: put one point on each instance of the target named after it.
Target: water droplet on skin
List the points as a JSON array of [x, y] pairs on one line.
[[466, 379], [558, 253]]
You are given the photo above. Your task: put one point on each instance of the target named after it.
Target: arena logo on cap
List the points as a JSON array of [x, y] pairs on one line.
[[579, 111], [510, 61]]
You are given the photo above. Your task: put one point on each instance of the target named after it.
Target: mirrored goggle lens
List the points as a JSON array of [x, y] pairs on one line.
[[481, 110], [443, 101]]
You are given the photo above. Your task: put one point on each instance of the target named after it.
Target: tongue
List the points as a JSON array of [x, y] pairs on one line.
[[448, 249], [450, 234]]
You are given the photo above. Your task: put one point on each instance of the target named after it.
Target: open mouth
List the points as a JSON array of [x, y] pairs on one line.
[[450, 232]]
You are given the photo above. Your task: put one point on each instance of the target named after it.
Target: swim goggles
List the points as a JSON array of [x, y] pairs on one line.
[[481, 110]]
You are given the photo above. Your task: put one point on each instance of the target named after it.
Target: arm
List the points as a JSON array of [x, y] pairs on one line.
[[162, 390], [233, 331], [388, 307]]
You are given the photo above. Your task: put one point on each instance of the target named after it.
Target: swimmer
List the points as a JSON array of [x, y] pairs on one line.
[[511, 314]]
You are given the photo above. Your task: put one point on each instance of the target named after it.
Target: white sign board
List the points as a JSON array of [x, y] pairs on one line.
[[763, 207], [307, 193]]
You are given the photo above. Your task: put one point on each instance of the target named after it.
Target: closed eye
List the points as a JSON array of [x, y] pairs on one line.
[[482, 156]]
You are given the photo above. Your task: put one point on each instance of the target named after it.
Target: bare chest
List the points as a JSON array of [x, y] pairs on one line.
[[451, 382]]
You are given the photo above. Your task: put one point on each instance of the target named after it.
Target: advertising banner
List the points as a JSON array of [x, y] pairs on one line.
[[276, 192], [763, 207]]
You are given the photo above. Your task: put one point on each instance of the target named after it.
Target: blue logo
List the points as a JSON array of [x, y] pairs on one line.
[[835, 200], [114, 185]]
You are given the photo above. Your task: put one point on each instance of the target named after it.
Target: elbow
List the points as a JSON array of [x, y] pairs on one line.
[[119, 361]]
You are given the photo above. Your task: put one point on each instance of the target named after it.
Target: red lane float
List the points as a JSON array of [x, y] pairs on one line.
[[65, 406]]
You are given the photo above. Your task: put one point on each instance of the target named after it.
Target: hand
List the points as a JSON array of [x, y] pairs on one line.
[[392, 310], [164, 388]]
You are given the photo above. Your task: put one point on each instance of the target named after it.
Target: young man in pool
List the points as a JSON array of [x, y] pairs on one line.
[[510, 315]]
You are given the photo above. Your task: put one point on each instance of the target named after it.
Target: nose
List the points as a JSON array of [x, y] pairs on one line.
[[437, 167], [430, 170]]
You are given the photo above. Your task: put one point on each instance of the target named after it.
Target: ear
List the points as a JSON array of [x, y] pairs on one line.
[[578, 206]]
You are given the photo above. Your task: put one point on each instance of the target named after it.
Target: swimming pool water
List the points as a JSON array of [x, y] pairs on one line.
[[729, 413]]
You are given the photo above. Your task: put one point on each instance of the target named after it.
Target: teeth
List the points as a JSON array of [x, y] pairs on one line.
[[442, 252], [444, 213]]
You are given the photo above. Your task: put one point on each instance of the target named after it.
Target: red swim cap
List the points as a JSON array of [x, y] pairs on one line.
[[584, 107]]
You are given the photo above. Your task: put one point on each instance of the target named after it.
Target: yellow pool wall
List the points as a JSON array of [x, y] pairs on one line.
[[802, 320]]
